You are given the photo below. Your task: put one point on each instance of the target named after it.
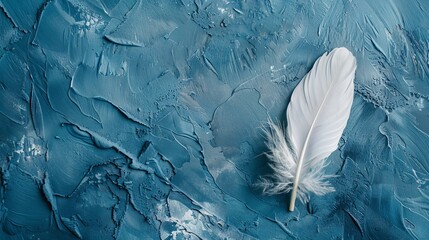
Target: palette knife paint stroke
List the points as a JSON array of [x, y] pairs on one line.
[[317, 115]]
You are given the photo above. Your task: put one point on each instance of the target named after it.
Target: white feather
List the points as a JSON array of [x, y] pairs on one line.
[[317, 115]]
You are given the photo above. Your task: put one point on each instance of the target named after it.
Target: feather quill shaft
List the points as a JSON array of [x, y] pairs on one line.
[[317, 115]]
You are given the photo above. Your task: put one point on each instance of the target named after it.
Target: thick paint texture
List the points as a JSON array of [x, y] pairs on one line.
[[135, 119]]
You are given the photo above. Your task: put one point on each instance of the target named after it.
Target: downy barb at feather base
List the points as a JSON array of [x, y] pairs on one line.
[[316, 116]]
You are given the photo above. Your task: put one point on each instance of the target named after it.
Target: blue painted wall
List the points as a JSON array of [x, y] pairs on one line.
[[140, 119]]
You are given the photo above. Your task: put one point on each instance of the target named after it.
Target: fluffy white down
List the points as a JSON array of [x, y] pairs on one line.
[[283, 163]]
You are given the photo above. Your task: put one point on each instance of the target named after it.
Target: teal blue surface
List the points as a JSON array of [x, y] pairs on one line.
[[140, 119]]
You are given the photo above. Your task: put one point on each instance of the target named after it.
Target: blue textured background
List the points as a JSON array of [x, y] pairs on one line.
[[139, 119]]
